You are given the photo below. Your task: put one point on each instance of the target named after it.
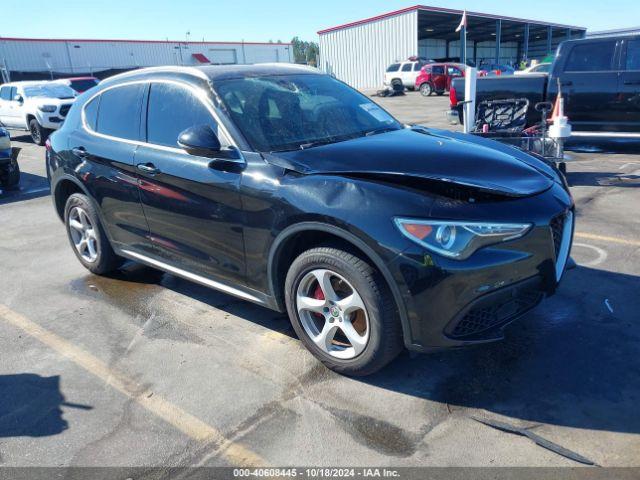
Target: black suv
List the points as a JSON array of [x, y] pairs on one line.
[[285, 187]]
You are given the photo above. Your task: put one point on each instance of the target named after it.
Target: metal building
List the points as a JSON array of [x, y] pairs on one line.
[[359, 52], [30, 57], [614, 33]]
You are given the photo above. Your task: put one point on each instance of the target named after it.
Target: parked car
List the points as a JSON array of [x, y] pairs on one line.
[[37, 107], [406, 72], [494, 69], [79, 84], [285, 187], [9, 170], [539, 68], [436, 77], [600, 81]]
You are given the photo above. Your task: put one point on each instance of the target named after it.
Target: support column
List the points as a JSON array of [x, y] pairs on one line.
[[463, 44], [498, 39], [549, 36], [526, 42]]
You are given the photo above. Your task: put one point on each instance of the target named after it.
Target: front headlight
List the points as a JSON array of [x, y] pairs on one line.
[[47, 108], [5, 142], [458, 240]]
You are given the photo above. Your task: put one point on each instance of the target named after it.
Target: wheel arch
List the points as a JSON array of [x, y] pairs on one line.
[[63, 189], [284, 250]]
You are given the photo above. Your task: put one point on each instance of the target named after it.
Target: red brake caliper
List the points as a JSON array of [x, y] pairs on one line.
[[318, 294]]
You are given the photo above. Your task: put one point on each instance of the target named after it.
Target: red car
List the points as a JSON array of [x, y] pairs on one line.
[[436, 77]]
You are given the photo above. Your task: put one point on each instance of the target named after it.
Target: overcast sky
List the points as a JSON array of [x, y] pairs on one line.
[[264, 20]]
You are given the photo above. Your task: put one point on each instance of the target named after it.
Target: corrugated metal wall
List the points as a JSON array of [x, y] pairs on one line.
[[359, 55], [82, 56]]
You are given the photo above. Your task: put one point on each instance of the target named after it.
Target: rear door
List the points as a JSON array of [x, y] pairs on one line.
[[191, 204], [589, 80], [629, 85], [103, 152], [406, 74]]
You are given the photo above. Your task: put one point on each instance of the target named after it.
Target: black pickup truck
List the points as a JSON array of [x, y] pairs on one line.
[[599, 78]]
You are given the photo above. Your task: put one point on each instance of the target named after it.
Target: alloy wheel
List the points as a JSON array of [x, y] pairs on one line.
[[333, 314], [425, 89], [35, 133], [83, 234]]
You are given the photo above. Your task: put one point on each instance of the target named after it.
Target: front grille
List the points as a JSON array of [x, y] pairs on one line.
[[478, 320], [64, 109], [557, 228]]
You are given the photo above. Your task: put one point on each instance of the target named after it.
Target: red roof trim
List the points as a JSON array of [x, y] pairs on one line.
[[200, 58], [16, 39], [442, 10]]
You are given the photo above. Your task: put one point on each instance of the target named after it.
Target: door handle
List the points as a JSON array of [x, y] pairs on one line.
[[79, 152], [632, 82], [567, 83], [149, 168]]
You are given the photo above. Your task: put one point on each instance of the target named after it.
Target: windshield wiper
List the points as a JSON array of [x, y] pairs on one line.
[[376, 131], [315, 143]]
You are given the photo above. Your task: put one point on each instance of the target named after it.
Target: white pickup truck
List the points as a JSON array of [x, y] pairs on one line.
[[37, 107]]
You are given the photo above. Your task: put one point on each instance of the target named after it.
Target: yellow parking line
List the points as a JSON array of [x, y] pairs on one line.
[[170, 413], [593, 236]]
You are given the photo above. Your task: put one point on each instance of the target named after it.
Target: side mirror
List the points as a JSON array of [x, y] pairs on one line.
[[18, 98], [200, 140]]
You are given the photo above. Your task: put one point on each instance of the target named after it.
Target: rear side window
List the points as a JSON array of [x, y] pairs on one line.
[[633, 55], [5, 93], [406, 67], [394, 67], [591, 57], [91, 113], [171, 110], [119, 112]]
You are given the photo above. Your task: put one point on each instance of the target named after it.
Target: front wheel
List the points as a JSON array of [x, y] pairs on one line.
[[342, 310], [11, 177], [426, 89], [38, 133]]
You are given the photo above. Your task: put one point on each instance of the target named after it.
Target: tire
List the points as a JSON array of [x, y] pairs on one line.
[[96, 255], [426, 89], [11, 178], [440, 93], [39, 134], [377, 324]]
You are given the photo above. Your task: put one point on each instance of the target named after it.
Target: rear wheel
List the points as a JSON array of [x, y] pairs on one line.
[[341, 309], [426, 89], [87, 237], [38, 133]]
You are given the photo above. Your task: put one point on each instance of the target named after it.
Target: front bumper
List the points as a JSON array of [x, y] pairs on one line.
[[452, 303]]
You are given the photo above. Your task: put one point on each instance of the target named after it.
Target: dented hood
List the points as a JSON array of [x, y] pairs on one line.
[[430, 154]]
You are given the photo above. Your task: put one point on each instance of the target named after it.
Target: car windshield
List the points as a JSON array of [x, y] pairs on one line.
[[288, 112], [49, 90]]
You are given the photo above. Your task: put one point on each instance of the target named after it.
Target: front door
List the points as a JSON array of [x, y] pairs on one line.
[[589, 83], [629, 86], [438, 78], [193, 208], [452, 72]]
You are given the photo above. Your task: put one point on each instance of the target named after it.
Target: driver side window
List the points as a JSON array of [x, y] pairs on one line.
[[171, 110]]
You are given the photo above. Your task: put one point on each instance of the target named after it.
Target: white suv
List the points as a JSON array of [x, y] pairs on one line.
[[37, 107], [406, 72]]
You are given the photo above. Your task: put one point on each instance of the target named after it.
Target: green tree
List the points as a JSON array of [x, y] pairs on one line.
[[305, 52]]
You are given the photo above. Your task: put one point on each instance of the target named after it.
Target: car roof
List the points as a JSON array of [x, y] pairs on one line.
[[215, 72], [25, 83]]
